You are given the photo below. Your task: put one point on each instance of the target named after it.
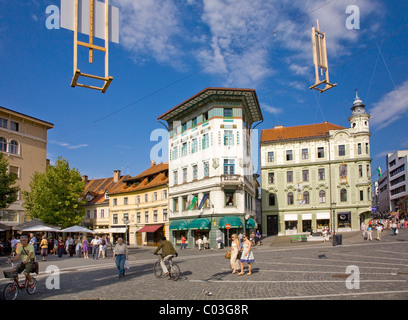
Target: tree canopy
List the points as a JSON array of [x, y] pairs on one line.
[[8, 192], [56, 194]]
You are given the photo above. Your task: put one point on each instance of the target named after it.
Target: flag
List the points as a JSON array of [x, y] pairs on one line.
[[191, 202], [379, 171], [203, 200]]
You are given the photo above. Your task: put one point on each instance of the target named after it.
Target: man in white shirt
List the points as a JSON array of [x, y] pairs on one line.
[[95, 247], [379, 231]]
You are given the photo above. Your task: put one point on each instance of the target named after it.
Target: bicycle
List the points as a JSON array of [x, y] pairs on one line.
[[12, 289], [174, 269]]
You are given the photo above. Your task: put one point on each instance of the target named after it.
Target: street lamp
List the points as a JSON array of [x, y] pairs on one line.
[[126, 222], [333, 207]]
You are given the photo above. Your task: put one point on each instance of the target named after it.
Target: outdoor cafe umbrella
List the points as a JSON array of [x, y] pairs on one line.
[[77, 229], [40, 228]]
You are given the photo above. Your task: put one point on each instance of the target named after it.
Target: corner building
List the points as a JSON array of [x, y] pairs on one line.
[[316, 176], [211, 175]]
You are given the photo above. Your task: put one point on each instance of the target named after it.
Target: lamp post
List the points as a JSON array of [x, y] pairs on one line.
[[333, 224], [126, 222]]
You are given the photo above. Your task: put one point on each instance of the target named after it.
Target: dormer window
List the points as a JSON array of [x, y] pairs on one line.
[[106, 195]]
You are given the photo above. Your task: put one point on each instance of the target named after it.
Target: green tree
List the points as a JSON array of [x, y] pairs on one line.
[[8, 194], [55, 195]]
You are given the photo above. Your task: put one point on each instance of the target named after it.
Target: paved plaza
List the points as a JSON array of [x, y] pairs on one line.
[[356, 270]]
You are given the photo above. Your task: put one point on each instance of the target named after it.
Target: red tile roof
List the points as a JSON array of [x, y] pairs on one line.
[[298, 132]]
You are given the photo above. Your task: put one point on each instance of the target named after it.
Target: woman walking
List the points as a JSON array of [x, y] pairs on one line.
[[60, 247], [247, 256], [120, 255], [44, 248], [85, 247], [235, 250]]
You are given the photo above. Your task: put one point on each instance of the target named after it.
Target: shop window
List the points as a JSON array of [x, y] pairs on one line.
[[306, 225]]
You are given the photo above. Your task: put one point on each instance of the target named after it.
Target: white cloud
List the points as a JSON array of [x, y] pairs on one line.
[[391, 107], [271, 109], [69, 146]]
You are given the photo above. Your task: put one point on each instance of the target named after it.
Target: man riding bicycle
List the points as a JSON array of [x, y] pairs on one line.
[[25, 253], [168, 252]]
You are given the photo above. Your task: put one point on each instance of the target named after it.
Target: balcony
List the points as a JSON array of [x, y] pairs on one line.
[[231, 180]]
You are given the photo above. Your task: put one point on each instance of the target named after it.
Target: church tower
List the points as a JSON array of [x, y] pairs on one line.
[[359, 120]]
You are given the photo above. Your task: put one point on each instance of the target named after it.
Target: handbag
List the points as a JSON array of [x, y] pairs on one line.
[[228, 254], [127, 266]]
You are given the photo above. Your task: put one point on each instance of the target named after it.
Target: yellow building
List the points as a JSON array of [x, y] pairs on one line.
[[140, 205], [23, 139]]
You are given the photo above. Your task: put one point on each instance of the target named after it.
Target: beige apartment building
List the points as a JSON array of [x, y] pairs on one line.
[[23, 140], [139, 206]]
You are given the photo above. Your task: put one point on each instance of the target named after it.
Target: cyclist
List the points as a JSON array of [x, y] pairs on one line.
[[168, 252], [25, 253]]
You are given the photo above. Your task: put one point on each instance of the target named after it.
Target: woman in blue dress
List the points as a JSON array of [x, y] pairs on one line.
[[247, 256]]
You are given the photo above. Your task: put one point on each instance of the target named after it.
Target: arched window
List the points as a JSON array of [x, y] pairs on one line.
[[343, 195], [3, 145], [290, 198], [306, 198], [13, 147], [322, 196], [272, 199]]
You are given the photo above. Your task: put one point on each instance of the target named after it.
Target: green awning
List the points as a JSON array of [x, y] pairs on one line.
[[200, 224], [178, 225], [234, 221], [250, 223]]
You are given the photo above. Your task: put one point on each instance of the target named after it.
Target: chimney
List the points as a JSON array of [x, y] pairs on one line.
[[152, 163], [85, 179], [116, 176], [280, 126]]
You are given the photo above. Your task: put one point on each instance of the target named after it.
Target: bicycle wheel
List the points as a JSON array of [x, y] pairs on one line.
[[10, 292], [157, 269], [33, 289], [174, 272]]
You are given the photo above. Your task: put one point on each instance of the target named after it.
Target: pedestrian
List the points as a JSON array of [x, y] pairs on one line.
[[13, 243], [258, 237], [379, 230], [33, 242], [44, 248], [120, 255], [240, 238], [252, 238], [205, 242], [235, 251], [183, 243], [85, 247], [394, 227], [219, 242], [369, 233], [246, 256], [60, 247], [78, 244], [55, 249], [102, 248], [95, 247], [364, 229], [200, 243], [325, 233]]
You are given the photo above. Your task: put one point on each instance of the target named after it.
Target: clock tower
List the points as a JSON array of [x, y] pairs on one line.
[[359, 120]]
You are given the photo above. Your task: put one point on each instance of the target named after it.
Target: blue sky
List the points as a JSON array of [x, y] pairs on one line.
[[170, 50]]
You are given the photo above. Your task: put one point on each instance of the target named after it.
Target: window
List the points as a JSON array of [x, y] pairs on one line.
[[305, 154], [360, 171], [228, 138], [154, 196], [205, 116], [125, 200], [3, 145], [343, 195], [320, 174], [164, 194], [361, 195], [115, 219], [343, 171], [14, 126], [155, 216], [184, 149], [290, 198], [174, 153], [146, 216], [289, 155], [175, 176], [342, 150], [359, 148], [95, 213], [305, 175], [229, 166], [146, 197], [164, 214], [3, 123], [289, 176], [367, 148], [320, 152], [194, 122], [271, 156], [102, 213], [206, 169], [88, 214], [229, 198], [194, 146], [138, 217], [322, 196], [271, 177], [227, 112], [195, 169], [205, 142], [115, 202], [184, 127], [138, 199], [368, 171], [175, 205], [184, 203], [306, 197], [272, 199], [13, 147], [184, 175]]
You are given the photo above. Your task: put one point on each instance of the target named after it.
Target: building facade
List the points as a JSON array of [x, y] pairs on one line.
[[23, 140], [316, 176], [139, 206], [211, 180]]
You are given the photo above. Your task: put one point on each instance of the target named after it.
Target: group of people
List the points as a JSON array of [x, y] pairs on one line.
[[80, 246], [380, 225]]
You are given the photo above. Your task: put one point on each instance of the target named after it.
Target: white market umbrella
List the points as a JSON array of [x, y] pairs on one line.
[[77, 229], [40, 228]]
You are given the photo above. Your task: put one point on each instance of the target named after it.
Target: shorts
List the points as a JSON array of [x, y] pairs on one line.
[[27, 268]]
